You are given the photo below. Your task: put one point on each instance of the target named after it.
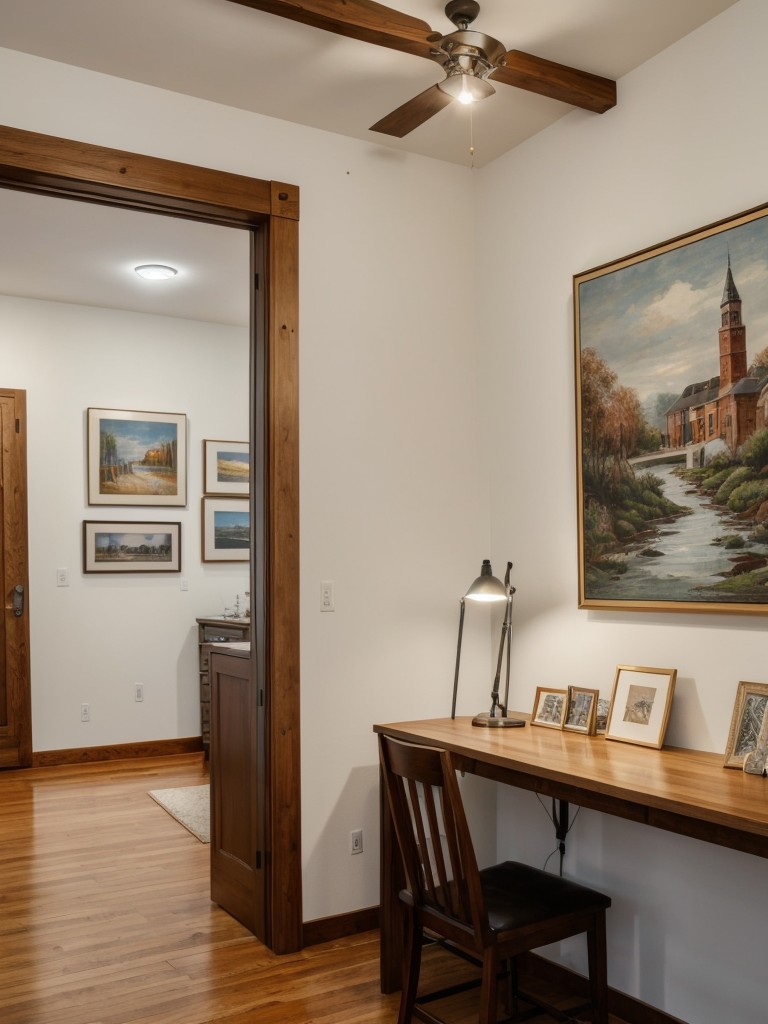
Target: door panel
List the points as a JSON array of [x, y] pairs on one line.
[[238, 793], [15, 698]]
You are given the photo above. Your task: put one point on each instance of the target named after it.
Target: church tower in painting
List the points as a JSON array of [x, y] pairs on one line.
[[733, 336]]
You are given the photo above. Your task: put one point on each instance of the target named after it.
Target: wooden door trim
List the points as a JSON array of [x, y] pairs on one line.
[[20, 708], [64, 167]]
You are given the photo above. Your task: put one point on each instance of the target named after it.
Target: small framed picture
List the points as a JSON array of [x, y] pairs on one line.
[[226, 533], [549, 707], [581, 710], [136, 458], [226, 467], [131, 547], [749, 722], [601, 717], [640, 705]]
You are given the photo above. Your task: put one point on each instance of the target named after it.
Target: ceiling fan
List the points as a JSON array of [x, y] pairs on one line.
[[471, 60]]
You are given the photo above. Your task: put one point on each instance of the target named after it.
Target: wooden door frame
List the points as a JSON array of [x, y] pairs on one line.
[[41, 163]]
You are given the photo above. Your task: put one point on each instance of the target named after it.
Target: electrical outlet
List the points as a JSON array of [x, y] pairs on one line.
[[62, 577], [356, 841], [138, 692], [85, 712], [326, 596]]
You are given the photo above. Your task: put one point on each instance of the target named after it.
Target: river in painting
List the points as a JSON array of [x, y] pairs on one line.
[[689, 561]]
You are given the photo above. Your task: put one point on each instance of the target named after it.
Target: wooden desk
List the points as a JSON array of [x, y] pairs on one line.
[[683, 791]]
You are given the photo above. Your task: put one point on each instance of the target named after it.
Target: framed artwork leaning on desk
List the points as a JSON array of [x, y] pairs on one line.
[[640, 705], [749, 723]]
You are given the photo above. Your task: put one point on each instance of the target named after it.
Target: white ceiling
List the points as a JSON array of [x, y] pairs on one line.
[[228, 53]]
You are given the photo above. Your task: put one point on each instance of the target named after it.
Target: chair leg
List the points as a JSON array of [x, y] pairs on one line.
[[411, 966], [489, 989], [598, 968]]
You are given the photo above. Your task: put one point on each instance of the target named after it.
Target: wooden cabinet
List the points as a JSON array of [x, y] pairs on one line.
[[238, 791], [209, 631]]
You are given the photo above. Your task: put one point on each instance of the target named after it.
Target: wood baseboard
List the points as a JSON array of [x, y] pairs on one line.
[[326, 929], [117, 752], [626, 1008]]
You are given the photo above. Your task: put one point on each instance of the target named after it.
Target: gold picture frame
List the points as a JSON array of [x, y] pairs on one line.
[[748, 723], [581, 710], [549, 707], [640, 704], [640, 421]]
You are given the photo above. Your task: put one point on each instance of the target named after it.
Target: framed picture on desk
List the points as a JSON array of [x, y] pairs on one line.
[[748, 724], [640, 705], [549, 707]]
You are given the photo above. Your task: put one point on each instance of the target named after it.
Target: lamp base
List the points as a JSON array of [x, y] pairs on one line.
[[485, 720]]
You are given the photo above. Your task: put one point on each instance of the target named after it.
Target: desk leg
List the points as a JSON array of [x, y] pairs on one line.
[[391, 909], [560, 816]]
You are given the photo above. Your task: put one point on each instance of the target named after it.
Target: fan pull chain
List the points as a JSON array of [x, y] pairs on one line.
[[471, 138]]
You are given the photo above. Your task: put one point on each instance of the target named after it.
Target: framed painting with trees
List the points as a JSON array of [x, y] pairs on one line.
[[136, 458], [672, 423]]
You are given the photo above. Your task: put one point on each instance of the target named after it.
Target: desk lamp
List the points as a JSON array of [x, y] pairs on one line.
[[487, 588]]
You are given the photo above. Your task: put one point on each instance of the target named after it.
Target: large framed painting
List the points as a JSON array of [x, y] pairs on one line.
[[136, 458], [131, 547], [672, 424]]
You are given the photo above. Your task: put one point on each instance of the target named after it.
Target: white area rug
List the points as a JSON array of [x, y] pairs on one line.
[[190, 806]]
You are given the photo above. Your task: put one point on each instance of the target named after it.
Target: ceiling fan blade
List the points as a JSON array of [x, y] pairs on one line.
[[413, 113], [579, 88], [358, 19]]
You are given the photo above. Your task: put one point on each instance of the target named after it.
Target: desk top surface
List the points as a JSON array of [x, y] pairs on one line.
[[600, 773]]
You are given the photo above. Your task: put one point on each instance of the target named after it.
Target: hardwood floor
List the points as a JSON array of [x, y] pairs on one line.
[[106, 918]]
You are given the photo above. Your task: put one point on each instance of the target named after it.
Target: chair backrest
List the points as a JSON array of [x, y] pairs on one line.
[[428, 815]]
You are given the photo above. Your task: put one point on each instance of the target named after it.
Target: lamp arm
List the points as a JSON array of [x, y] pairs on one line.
[[496, 706], [458, 659]]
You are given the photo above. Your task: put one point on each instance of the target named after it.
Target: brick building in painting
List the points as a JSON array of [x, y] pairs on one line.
[[731, 406]]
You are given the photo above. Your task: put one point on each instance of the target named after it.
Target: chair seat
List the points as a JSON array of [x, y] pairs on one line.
[[518, 895]]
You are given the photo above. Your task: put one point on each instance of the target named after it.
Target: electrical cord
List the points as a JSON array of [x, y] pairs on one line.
[[559, 831]]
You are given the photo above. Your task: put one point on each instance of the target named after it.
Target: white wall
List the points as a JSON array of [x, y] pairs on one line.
[[93, 640], [394, 499], [684, 147]]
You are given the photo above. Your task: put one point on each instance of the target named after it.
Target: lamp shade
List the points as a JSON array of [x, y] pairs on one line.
[[466, 87], [486, 587]]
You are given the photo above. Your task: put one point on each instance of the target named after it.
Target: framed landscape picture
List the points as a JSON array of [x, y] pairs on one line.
[[672, 424], [131, 547], [136, 458], [226, 467], [640, 705], [226, 530]]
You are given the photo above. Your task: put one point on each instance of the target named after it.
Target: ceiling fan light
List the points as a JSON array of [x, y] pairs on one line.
[[155, 271], [466, 88]]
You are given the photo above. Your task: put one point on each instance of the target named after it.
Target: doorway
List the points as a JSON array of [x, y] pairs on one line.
[[33, 162]]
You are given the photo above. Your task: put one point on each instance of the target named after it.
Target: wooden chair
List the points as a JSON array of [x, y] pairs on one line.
[[491, 915]]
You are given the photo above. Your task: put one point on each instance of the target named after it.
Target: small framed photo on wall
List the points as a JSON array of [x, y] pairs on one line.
[[640, 705], [226, 534], [226, 467]]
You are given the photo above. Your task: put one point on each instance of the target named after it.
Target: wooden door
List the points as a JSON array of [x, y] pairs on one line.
[[15, 699], [238, 793]]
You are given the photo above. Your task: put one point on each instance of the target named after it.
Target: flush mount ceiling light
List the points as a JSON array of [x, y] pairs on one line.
[[155, 271]]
